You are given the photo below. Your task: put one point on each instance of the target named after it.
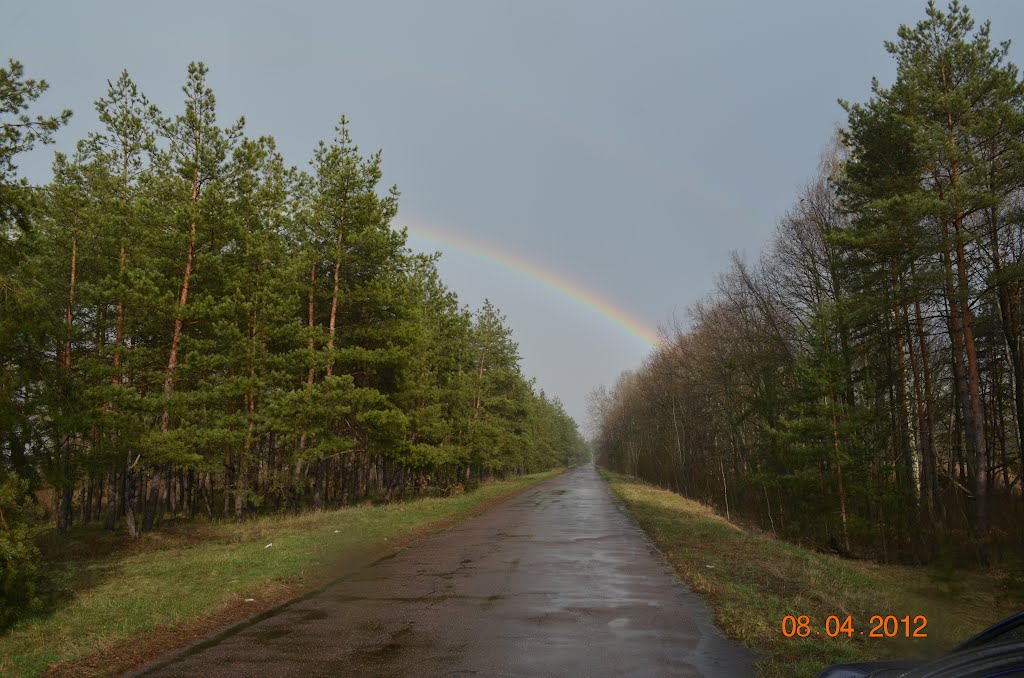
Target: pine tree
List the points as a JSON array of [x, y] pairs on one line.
[[959, 103], [191, 172]]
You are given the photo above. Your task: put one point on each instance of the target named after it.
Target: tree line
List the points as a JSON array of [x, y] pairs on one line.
[[191, 326], [860, 386]]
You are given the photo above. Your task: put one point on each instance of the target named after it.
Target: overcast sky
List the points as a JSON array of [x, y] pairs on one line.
[[627, 147]]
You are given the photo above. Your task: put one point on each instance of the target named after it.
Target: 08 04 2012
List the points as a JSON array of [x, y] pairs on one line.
[[834, 626]]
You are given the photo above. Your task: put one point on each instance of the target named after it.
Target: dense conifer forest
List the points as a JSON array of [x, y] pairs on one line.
[[860, 386], [189, 326]]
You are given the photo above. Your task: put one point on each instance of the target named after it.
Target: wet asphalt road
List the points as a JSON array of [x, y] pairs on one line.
[[556, 581]]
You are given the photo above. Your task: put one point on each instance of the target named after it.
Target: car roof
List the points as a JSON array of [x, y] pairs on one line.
[[993, 632]]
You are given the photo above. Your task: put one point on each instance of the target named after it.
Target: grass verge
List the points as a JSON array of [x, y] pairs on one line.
[[753, 580], [126, 602]]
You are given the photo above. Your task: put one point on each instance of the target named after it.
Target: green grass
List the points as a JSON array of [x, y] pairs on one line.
[[753, 580], [156, 589]]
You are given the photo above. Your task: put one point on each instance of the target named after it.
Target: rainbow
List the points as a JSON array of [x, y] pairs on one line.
[[538, 275]]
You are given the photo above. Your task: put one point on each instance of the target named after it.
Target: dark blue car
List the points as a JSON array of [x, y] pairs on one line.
[[996, 651]]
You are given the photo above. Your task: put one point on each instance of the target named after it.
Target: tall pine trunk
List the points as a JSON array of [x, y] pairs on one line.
[[172, 358], [67, 489], [977, 449], [974, 417], [334, 298]]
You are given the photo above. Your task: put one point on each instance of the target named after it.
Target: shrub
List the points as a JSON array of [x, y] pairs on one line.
[[19, 557]]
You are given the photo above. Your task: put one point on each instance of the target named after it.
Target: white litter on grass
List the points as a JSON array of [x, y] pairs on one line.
[[269, 545], [337, 531], [250, 600], [710, 567]]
